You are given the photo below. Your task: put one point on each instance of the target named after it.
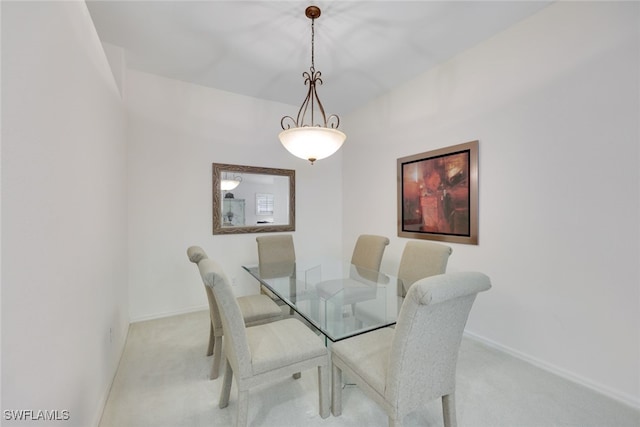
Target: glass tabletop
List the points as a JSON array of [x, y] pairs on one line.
[[338, 298]]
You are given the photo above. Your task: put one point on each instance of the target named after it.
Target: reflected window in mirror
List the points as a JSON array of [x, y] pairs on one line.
[[264, 204]]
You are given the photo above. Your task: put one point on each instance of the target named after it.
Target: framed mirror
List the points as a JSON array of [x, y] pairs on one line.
[[250, 199]]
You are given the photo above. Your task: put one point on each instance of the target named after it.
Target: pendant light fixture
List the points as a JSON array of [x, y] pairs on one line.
[[228, 182], [306, 137]]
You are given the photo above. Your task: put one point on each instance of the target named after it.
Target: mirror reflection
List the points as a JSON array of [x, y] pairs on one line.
[[248, 199]]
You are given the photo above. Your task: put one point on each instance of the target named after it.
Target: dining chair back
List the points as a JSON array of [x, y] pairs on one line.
[[256, 310], [276, 257], [368, 251], [275, 249], [421, 259], [405, 367], [262, 353], [196, 254], [365, 260]]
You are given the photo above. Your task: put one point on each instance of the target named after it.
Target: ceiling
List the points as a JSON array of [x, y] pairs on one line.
[[261, 48]]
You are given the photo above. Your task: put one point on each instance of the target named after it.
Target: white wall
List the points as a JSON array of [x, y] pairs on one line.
[[176, 131], [554, 102], [64, 283]]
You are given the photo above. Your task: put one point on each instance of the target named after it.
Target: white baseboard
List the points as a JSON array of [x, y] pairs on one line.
[[170, 313], [627, 399], [102, 403], [105, 395]]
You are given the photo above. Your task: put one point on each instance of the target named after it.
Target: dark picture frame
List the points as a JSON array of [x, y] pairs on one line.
[[438, 194]]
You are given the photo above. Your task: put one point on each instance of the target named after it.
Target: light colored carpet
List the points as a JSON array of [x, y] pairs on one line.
[[163, 381]]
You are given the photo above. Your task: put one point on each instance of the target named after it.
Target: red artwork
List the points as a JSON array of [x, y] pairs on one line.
[[436, 194]]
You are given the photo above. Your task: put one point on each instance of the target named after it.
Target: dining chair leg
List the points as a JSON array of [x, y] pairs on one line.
[[217, 358], [226, 386], [243, 408], [449, 410], [323, 391], [211, 339], [336, 391]]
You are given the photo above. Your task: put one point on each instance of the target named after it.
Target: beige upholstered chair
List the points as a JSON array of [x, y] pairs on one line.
[[256, 310], [275, 248], [402, 369], [368, 251], [421, 259], [263, 353], [277, 254], [366, 259]]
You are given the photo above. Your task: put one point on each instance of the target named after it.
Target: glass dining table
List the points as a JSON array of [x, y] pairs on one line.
[[337, 298]]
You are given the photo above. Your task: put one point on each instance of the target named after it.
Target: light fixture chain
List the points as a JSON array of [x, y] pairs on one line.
[[313, 67]]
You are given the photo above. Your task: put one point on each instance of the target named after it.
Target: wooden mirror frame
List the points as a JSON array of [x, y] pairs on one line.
[[219, 168]]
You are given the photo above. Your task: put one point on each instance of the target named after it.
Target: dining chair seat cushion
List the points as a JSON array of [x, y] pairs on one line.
[[347, 290], [368, 355], [257, 309], [280, 344]]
